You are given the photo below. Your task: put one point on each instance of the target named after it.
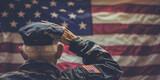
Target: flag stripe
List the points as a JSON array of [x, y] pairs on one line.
[[125, 28], [6, 67], [142, 77], [67, 65], [10, 47], [122, 60], [10, 37], [132, 50], [124, 39], [125, 18], [114, 2], [103, 40], [128, 8], [114, 50], [145, 70]]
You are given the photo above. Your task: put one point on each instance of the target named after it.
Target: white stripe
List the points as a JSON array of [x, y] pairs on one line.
[[125, 18], [114, 2], [103, 40], [11, 58], [122, 60], [10, 37], [144, 77], [70, 58], [138, 60], [124, 39]]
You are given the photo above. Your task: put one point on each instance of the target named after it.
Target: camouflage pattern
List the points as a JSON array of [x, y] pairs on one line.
[[91, 53]]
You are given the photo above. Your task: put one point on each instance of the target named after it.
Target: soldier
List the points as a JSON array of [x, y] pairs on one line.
[[41, 50]]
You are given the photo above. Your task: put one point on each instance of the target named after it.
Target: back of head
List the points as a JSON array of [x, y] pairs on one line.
[[40, 39]]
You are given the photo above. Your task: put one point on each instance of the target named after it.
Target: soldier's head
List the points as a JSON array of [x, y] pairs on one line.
[[41, 42]]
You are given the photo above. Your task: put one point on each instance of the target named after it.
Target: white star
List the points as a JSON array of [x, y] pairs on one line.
[[29, 22], [82, 25], [34, 2], [62, 10], [53, 3], [70, 3], [20, 14], [72, 16], [4, 14], [11, 6], [28, 5], [44, 7], [65, 24], [13, 23], [53, 14], [80, 11], [37, 14]]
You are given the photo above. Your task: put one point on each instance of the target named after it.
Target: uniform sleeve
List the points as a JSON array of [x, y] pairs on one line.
[[99, 64]]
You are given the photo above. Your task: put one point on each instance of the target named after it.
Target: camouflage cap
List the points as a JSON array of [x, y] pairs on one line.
[[40, 34]]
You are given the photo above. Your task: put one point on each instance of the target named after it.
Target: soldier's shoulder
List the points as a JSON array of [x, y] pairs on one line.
[[85, 72], [11, 75]]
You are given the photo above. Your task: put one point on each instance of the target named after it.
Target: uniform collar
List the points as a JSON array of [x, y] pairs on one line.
[[40, 66]]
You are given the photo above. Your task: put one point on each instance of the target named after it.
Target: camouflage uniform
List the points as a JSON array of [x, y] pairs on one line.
[[99, 65]]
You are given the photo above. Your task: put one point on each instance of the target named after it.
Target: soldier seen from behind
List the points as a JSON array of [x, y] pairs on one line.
[[42, 48]]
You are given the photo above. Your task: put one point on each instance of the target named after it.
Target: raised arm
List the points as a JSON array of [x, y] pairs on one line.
[[99, 64]]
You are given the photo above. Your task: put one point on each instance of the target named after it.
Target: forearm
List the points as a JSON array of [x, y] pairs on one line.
[[93, 54]]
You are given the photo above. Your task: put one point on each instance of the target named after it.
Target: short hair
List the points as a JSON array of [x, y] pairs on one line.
[[40, 51]]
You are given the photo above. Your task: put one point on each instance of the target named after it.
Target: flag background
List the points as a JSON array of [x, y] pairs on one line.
[[128, 29]]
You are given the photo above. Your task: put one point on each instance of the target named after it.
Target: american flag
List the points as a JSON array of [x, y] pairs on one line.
[[91, 69], [128, 29]]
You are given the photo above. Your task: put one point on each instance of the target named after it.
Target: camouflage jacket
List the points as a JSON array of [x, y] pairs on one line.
[[99, 65]]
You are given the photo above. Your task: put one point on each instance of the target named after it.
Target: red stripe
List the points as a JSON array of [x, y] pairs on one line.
[[67, 65], [125, 29], [128, 8], [114, 50], [6, 67], [133, 50], [10, 47], [144, 70]]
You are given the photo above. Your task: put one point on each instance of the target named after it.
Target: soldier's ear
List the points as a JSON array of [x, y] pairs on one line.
[[25, 57], [59, 51]]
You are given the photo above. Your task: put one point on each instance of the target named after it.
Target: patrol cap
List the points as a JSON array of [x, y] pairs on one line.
[[40, 34]]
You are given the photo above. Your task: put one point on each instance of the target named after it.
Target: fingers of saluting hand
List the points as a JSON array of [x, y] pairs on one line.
[[52, 24]]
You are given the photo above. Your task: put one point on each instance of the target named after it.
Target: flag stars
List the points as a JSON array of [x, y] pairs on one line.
[[53, 3], [37, 14], [54, 15], [82, 25], [13, 23], [4, 14], [11, 6], [34, 2], [72, 16], [80, 11], [20, 14], [29, 22], [27, 6], [70, 3], [65, 24], [62, 10]]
